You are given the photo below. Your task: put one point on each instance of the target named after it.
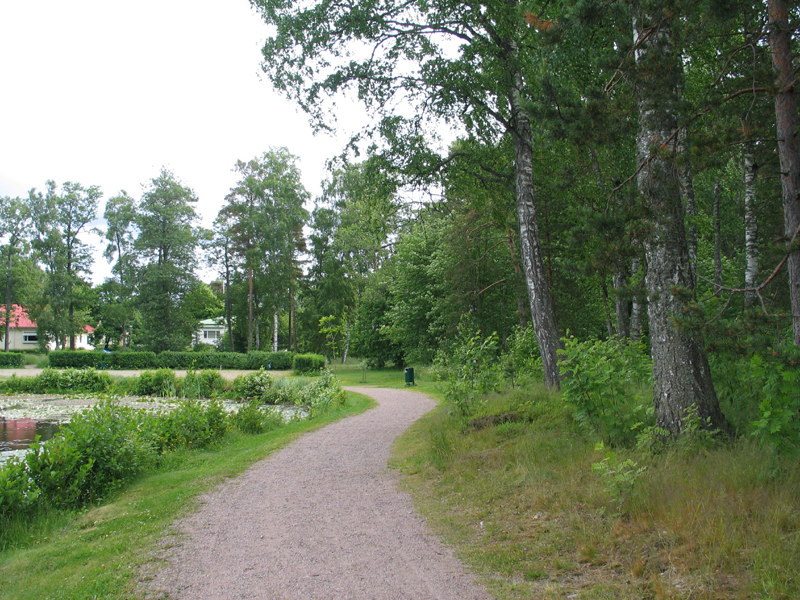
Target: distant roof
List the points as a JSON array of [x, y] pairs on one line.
[[20, 319]]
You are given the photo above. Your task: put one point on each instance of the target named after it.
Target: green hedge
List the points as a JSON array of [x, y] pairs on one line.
[[308, 363], [11, 359], [84, 359]]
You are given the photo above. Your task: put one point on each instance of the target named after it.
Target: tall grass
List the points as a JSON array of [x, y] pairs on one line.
[[514, 490]]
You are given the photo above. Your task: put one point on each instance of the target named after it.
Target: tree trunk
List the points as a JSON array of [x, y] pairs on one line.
[[250, 321], [780, 44], [521, 308], [717, 241], [750, 228], [228, 308], [637, 299], [9, 285], [544, 319], [681, 373], [689, 204], [275, 330], [622, 304]]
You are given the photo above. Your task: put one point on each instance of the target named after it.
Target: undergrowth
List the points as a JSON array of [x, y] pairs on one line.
[[540, 511]]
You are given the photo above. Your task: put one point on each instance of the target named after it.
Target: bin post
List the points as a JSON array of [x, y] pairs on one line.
[[410, 376]]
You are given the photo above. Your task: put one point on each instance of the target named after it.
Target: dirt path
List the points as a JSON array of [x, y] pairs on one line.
[[321, 519]]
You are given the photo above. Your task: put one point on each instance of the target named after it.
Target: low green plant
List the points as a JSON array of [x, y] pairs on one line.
[[204, 384], [608, 382], [253, 418], [159, 382], [619, 477], [252, 385], [308, 363], [193, 424], [469, 369]]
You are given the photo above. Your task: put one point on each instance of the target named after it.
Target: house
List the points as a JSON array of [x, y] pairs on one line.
[[23, 334], [210, 331]]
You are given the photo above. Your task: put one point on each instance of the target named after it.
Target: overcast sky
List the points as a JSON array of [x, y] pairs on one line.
[[104, 92]]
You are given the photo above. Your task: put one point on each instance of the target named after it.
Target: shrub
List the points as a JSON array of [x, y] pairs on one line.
[[55, 381], [604, 381], [322, 394], [11, 359], [160, 382], [252, 385], [308, 363], [204, 384], [59, 471], [253, 418], [469, 370], [18, 492], [257, 359], [131, 360], [76, 359], [192, 425]]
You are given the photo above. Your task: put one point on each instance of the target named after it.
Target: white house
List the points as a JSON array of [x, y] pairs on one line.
[[210, 331], [23, 335]]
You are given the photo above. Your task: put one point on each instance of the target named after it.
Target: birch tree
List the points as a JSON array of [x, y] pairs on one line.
[[417, 60]]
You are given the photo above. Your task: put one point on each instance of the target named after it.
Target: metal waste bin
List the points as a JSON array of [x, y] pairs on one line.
[[409, 375]]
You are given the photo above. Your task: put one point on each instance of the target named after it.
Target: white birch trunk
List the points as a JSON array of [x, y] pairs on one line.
[[275, 331], [750, 228]]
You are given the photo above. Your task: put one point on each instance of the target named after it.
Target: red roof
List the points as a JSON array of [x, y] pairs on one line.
[[20, 319]]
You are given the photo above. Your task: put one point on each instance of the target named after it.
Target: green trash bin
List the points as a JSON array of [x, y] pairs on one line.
[[409, 375]]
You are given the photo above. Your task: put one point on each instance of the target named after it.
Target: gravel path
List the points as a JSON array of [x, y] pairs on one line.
[[321, 519]]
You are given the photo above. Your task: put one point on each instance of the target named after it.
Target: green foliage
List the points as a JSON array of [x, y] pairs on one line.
[[18, 491], [521, 362], [159, 382], [11, 359], [55, 381], [129, 359], [761, 394], [308, 363], [619, 477], [470, 369], [205, 384], [322, 394], [604, 381], [280, 361], [76, 359], [253, 418], [192, 424], [252, 385]]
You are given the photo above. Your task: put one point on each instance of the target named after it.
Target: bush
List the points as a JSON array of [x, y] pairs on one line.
[[192, 425], [11, 359], [252, 386], [308, 363], [252, 418], [204, 384], [76, 359], [54, 381], [129, 359], [322, 394], [160, 382], [469, 370], [18, 492], [258, 359], [604, 381]]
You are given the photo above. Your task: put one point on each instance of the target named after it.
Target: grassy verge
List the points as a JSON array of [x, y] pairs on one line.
[[516, 494], [353, 374], [101, 552]]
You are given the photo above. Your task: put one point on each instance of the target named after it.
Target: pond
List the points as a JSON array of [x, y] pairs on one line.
[[16, 435]]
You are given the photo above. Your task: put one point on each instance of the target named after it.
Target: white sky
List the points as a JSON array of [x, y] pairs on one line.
[[104, 92]]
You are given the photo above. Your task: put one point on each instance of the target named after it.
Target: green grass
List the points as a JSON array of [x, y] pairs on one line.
[[353, 374], [520, 503], [101, 552]]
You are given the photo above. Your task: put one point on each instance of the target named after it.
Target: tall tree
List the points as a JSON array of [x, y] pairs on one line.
[[449, 60], [120, 216], [166, 247], [15, 222], [681, 372], [780, 42], [60, 218]]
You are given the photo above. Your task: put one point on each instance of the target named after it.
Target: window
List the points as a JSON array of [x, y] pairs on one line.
[[210, 334], [30, 337]]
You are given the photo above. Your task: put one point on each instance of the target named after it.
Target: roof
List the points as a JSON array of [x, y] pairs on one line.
[[21, 320]]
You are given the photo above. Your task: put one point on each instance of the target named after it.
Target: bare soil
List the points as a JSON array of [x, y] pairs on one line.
[[321, 519]]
